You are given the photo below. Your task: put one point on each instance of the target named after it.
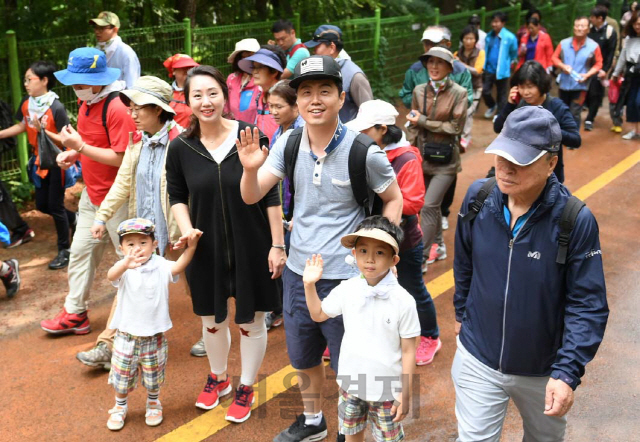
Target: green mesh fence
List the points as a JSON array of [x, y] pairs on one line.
[[399, 46]]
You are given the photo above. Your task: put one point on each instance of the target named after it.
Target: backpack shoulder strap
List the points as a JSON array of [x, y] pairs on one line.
[[296, 47], [482, 195], [358, 170], [291, 150], [105, 108], [567, 223]]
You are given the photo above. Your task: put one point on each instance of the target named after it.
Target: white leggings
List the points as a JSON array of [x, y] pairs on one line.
[[253, 345]]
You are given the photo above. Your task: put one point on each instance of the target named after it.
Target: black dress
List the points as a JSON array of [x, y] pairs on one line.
[[231, 258]]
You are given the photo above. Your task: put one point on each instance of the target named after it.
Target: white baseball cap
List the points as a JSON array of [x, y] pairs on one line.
[[373, 112], [435, 35]]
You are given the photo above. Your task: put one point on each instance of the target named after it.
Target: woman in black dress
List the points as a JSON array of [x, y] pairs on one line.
[[241, 253]]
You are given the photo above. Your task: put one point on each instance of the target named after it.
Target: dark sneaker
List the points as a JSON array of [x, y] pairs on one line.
[[300, 432], [588, 126], [198, 349], [11, 280], [98, 356], [341, 438], [16, 240], [61, 261], [273, 320]]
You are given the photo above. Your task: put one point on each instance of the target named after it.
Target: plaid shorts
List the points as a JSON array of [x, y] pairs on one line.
[[132, 354], [353, 414]]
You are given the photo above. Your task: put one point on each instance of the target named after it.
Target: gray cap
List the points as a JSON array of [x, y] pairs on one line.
[[528, 133]]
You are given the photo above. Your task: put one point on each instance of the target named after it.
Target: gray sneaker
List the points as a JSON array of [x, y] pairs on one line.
[[98, 356], [198, 349]]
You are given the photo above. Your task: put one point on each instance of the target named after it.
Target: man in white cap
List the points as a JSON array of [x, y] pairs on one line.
[[417, 73], [119, 54], [530, 298]]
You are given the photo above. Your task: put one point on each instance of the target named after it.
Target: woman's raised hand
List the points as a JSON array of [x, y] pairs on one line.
[[251, 154]]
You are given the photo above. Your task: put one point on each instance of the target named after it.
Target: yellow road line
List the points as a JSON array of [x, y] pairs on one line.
[[213, 421]]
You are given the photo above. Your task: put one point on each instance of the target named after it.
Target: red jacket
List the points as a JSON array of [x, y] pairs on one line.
[[544, 49], [407, 164]]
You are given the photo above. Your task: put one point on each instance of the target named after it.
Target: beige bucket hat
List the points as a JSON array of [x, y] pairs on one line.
[[149, 90]]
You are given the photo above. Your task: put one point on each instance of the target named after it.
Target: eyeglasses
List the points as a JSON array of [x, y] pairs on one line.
[[27, 80], [102, 28], [136, 110]]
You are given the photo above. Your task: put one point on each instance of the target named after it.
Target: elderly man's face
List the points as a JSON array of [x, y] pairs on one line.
[[517, 181]]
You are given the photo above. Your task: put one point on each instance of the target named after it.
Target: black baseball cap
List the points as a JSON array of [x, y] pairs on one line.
[[528, 133], [316, 67]]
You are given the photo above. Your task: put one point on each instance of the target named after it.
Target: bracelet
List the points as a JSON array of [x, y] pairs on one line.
[[281, 247], [81, 147]]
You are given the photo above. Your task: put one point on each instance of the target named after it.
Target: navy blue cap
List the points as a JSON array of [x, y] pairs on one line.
[[87, 66], [528, 133], [264, 57], [325, 34]]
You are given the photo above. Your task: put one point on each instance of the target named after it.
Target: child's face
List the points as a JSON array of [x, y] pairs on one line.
[[374, 258], [138, 241]]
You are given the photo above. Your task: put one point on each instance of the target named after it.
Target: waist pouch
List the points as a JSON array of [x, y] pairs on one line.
[[437, 153]]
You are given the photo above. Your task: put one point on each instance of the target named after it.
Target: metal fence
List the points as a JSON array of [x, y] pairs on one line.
[[383, 47]]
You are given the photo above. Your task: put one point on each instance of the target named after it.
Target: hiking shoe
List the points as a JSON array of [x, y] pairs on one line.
[[98, 356], [61, 261], [273, 320], [301, 432], [153, 415], [631, 135], [616, 129], [445, 223], [11, 280], [326, 355], [588, 126], [438, 252], [198, 349], [490, 112], [117, 416], [210, 396], [240, 409], [425, 265], [64, 322], [16, 240], [427, 350], [341, 438]]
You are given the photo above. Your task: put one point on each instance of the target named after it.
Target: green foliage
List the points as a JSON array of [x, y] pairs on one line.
[[21, 193]]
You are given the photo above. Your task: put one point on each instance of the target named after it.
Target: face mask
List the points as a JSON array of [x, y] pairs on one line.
[[85, 94]]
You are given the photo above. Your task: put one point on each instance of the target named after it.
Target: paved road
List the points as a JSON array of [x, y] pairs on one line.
[[48, 395]]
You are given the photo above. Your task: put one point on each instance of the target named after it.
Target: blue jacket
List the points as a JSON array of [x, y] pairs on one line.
[[580, 61], [522, 313], [508, 52]]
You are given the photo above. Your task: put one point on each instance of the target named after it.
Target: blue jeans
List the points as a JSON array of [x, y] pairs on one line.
[[410, 278]]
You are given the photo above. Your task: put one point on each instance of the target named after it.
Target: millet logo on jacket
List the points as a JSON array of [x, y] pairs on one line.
[[534, 255]]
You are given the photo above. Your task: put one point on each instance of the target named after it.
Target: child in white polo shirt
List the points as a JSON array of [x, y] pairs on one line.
[[141, 317], [377, 356]]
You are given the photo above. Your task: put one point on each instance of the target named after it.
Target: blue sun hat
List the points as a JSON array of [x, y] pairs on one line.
[[87, 66], [264, 57]]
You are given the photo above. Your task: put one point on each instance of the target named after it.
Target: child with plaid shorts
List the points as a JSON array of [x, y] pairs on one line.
[[141, 317], [378, 352]]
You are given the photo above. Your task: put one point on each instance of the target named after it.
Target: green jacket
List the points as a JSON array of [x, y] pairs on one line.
[[417, 74]]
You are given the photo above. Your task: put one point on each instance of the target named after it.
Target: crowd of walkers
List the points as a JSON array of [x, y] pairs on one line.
[[256, 187]]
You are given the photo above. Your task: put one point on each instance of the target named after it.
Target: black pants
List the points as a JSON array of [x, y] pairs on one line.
[[9, 214], [448, 198], [594, 98], [50, 200], [502, 87], [574, 100]]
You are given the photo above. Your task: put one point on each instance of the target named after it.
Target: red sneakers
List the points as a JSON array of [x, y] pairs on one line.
[[209, 398], [427, 350], [240, 409], [64, 322]]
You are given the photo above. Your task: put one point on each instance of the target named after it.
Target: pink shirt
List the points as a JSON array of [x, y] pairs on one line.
[[265, 121], [242, 100]]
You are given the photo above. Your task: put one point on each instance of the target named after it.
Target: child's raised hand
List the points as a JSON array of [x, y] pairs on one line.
[[134, 258], [313, 270]]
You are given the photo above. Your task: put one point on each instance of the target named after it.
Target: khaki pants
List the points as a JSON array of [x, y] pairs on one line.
[[86, 253]]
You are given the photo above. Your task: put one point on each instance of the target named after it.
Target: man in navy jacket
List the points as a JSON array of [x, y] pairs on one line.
[[527, 325]]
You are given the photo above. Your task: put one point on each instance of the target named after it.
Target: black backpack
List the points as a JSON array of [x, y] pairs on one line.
[[567, 219], [357, 171]]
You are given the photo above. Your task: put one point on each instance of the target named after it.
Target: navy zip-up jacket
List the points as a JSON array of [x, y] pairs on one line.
[[521, 312]]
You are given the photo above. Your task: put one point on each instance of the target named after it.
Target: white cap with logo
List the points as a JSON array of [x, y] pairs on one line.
[[371, 113]]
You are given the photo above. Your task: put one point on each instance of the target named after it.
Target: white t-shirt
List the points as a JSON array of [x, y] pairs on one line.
[[375, 320], [223, 150], [143, 298]]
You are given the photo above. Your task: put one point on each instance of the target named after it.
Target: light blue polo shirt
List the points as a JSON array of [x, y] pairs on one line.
[[325, 208], [300, 54]]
